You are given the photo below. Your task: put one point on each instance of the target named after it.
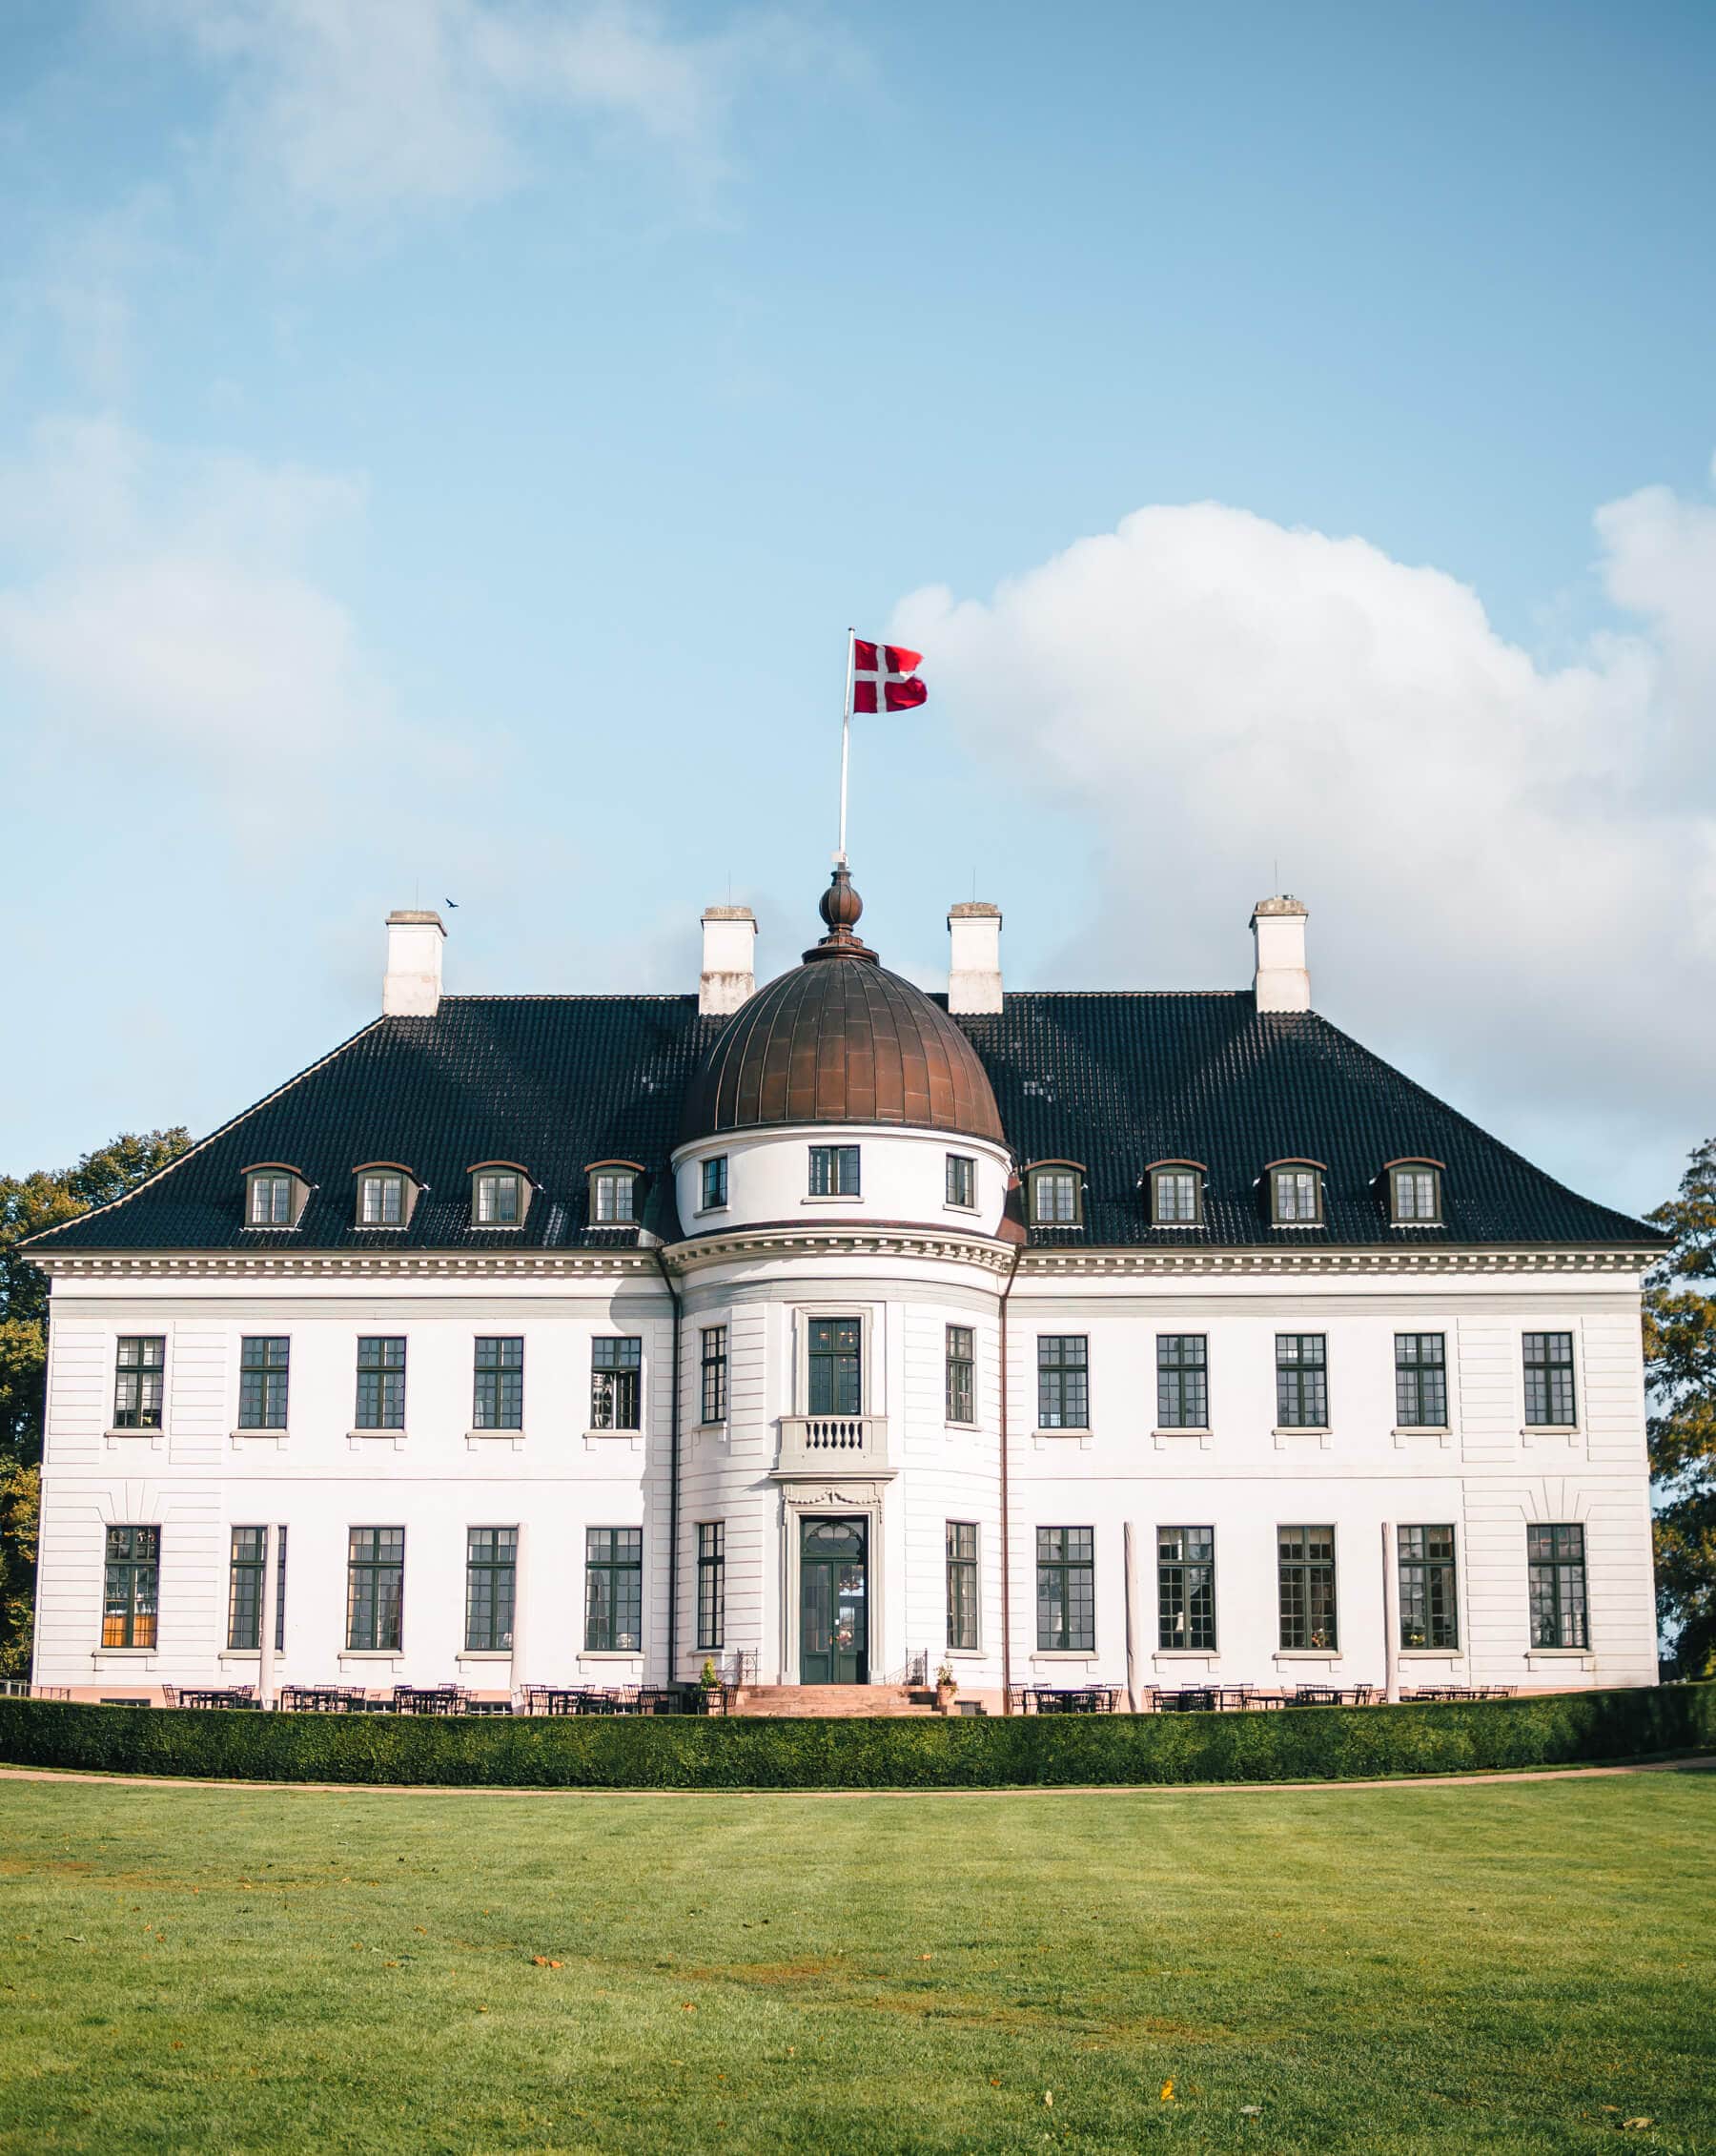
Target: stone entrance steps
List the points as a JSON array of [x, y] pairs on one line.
[[827, 1701]]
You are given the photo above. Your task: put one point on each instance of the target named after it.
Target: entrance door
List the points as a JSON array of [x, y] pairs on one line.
[[834, 1602]]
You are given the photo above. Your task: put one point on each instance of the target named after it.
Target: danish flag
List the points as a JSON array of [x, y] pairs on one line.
[[891, 670]]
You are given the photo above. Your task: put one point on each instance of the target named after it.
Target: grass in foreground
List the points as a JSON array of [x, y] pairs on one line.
[[1494, 1968]]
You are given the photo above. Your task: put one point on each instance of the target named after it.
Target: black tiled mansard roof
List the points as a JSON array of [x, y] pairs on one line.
[[1112, 1081]]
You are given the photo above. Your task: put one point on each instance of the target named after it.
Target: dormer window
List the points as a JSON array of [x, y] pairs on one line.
[[614, 1193], [386, 1193], [273, 1196], [1056, 1194], [1175, 1194], [1296, 1193], [1414, 1192], [500, 1194]]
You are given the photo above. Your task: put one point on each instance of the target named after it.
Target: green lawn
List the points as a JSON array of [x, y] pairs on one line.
[[1498, 1967]]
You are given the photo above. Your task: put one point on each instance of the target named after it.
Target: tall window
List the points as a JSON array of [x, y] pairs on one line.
[[1301, 1380], [270, 1202], [711, 1583], [962, 1369], [962, 1179], [613, 1590], [381, 1201], [1556, 1559], [1306, 1560], [375, 1589], [1297, 1196], [1173, 1196], [714, 1182], [132, 1593], [1183, 1381], [244, 1589], [491, 1582], [1065, 1588], [1054, 1197], [834, 1171], [1429, 1612], [264, 1365], [1420, 1381], [616, 1196], [1063, 1380], [138, 1378], [1413, 1195], [616, 1384], [1549, 1378], [498, 1402], [380, 1384], [497, 1199], [834, 1354], [714, 1374], [962, 1585], [1186, 1589]]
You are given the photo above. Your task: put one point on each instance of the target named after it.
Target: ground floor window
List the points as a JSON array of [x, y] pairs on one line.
[[711, 1583], [1306, 1561], [614, 1590], [1429, 1612], [1557, 1558], [1186, 1589], [962, 1585], [131, 1596], [375, 1589], [1065, 1588], [491, 1582], [244, 1589]]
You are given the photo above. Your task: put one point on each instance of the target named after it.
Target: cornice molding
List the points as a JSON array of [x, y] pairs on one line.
[[348, 1264]]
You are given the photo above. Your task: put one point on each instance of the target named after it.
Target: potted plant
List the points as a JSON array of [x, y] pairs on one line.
[[946, 1687], [708, 1685]]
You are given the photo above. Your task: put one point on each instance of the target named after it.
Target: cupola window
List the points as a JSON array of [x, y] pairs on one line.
[[1175, 1194], [962, 1182], [834, 1171], [1296, 1193], [386, 1194], [1055, 1193], [714, 1184], [614, 1194], [273, 1196], [500, 1194], [1414, 1192]]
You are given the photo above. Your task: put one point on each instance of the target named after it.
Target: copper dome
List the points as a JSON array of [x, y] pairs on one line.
[[841, 1041]]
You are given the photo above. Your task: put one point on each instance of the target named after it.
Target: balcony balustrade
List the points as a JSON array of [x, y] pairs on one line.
[[818, 1446]]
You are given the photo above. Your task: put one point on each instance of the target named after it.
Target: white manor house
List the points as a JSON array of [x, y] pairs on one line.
[[834, 1332]]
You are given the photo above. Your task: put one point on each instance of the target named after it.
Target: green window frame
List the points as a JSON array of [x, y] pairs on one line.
[[491, 1589], [1186, 1589], [711, 1583], [617, 1382], [496, 1202], [714, 1374], [714, 1184], [1183, 1381], [1063, 1380], [1301, 1380], [1414, 1193], [1065, 1589], [264, 1375], [244, 1589], [961, 1374], [963, 1605], [131, 1603], [1054, 1197], [139, 1380], [1175, 1197], [834, 1171], [375, 1590], [381, 1382], [1420, 1381], [616, 1198], [1296, 1196], [834, 1367], [613, 1590], [1550, 1397], [269, 1201], [381, 1201], [1554, 1555], [498, 1382], [1305, 1565], [1429, 1583], [962, 1180]]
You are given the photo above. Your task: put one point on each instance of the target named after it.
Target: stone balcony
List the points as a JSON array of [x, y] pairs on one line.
[[814, 1447]]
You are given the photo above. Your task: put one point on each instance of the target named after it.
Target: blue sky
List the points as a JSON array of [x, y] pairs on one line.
[[443, 443]]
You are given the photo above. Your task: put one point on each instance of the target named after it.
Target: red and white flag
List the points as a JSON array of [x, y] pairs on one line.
[[884, 677]]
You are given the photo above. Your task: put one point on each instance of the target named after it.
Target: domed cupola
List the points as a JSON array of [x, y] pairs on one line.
[[841, 1041]]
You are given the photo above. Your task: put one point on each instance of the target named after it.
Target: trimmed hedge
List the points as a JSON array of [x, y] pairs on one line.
[[965, 1751]]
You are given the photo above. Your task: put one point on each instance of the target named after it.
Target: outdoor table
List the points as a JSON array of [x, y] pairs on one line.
[[1076, 1699], [217, 1695], [557, 1698], [320, 1699], [1190, 1699], [428, 1699], [1235, 1698], [1316, 1695]]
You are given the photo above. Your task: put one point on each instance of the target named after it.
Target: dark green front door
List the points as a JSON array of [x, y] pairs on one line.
[[834, 1602]]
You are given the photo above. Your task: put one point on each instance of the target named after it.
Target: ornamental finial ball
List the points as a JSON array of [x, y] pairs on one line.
[[841, 905]]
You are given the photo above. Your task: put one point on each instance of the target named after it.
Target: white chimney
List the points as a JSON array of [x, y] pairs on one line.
[[1282, 981], [729, 960], [413, 987], [974, 963]]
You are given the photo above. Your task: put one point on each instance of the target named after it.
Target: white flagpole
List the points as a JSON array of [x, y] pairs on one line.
[[845, 735]]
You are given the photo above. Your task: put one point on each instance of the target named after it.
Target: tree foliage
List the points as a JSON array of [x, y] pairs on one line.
[[28, 1204], [1680, 1363]]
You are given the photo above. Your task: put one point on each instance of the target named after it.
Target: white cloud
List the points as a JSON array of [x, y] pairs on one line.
[[360, 110], [1511, 866]]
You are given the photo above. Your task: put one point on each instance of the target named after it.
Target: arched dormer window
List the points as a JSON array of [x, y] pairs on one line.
[[1296, 1193], [387, 1191], [1054, 1194], [1173, 1191], [500, 1194], [616, 1187], [275, 1195], [1415, 1195]]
